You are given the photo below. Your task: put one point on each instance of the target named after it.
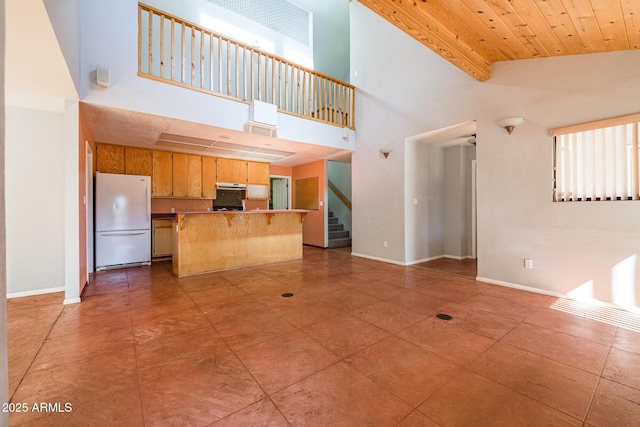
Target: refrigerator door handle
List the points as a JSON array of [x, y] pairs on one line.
[[146, 195], [124, 233]]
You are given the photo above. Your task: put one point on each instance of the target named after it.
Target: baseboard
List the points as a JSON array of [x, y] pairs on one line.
[[389, 261], [590, 301], [433, 258], [459, 258], [406, 264], [521, 287], [420, 261], [72, 301], [35, 292]]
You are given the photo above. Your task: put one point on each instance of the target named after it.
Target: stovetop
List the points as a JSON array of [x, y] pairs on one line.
[[227, 208]]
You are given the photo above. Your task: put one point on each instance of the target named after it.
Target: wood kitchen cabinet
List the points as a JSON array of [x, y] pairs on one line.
[[138, 161], [162, 175], [162, 241], [232, 171], [110, 158], [187, 175], [209, 176], [258, 173]]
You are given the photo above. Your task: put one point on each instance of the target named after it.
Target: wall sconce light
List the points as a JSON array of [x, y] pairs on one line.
[[386, 150], [510, 123]]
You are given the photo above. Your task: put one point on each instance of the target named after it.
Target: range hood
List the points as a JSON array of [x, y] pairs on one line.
[[230, 186]]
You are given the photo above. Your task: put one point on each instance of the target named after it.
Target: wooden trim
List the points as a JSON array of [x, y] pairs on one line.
[[340, 195], [221, 95], [599, 124], [328, 92], [139, 38]]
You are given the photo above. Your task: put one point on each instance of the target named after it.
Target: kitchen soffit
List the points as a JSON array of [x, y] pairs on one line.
[[112, 125], [219, 147]]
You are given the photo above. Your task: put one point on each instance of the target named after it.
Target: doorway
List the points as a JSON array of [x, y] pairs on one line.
[[280, 192], [441, 181]]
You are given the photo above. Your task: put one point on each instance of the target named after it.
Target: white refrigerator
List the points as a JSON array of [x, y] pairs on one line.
[[123, 220]]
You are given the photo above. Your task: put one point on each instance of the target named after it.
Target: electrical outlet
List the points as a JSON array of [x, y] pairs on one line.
[[384, 243], [528, 263]]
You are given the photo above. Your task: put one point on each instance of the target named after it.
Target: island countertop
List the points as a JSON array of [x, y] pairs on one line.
[[254, 211], [206, 241]]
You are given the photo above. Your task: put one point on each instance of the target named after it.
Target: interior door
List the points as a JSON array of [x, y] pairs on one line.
[[280, 193]]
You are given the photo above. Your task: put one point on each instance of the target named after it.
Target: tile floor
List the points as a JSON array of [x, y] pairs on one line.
[[357, 345]]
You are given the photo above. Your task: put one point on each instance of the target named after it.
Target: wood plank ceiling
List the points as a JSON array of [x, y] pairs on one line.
[[472, 34]]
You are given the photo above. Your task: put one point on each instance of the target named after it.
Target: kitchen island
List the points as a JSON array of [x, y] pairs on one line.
[[213, 241]]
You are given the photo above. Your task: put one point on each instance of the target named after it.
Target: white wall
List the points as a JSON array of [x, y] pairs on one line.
[[413, 90], [571, 244], [41, 149], [4, 357], [240, 28], [424, 230], [403, 89], [457, 200], [65, 18], [34, 200]]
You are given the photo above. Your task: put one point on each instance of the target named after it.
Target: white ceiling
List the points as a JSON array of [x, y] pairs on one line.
[[117, 126]]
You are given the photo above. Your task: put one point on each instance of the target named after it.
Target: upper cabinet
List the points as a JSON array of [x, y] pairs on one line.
[[162, 177], [184, 175], [138, 161], [123, 160], [258, 173], [187, 175], [209, 176], [109, 158], [232, 171]]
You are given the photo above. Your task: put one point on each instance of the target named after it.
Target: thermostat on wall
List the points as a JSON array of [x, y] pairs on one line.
[[103, 76]]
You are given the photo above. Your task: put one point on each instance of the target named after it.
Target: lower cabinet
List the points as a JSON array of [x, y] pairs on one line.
[[162, 240]]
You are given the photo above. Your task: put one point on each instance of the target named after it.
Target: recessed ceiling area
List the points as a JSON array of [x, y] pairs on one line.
[[473, 34], [111, 125]]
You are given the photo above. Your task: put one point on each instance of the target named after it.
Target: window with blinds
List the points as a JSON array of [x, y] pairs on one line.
[[597, 161]]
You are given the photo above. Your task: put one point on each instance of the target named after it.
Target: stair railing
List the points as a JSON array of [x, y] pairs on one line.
[[176, 51], [340, 195]]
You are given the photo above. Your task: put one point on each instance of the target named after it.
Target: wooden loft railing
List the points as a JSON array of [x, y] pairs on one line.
[[179, 52]]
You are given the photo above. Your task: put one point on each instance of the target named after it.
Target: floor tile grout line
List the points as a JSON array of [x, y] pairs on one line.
[[266, 395], [36, 355], [135, 354], [601, 377]]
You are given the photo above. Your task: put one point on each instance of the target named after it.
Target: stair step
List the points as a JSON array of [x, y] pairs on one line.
[[333, 220], [336, 227], [338, 234], [339, 243]]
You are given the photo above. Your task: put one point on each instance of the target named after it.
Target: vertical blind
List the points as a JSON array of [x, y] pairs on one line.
[[597, 161]]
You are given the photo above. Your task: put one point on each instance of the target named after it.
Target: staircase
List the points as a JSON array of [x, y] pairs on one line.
[[338, 236]]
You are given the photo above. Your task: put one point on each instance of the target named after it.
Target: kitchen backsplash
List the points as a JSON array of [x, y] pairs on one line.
[[180, 205]]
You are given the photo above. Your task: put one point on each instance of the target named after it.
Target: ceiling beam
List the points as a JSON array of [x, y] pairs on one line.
[[415, 19]]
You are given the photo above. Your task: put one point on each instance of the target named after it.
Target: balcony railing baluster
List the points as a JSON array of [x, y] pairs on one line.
[[233, 70]]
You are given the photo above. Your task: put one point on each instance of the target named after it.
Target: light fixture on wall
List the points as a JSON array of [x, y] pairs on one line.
[[510, 123], [386, 150]]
